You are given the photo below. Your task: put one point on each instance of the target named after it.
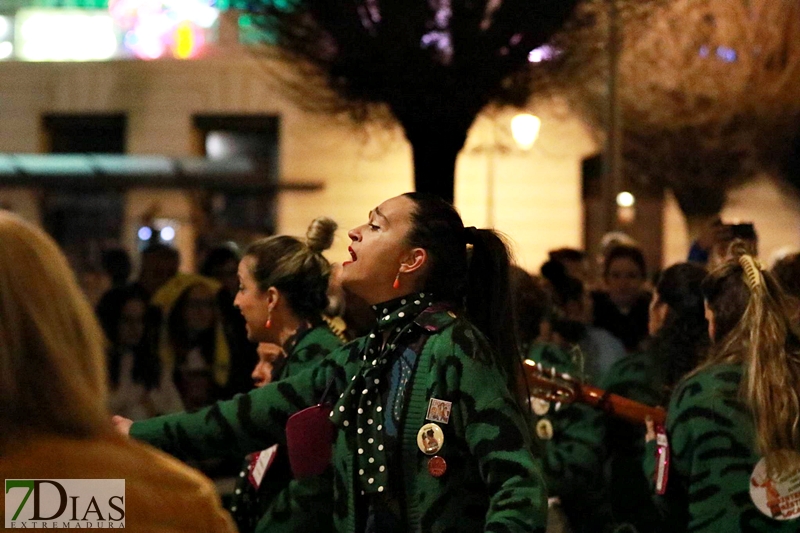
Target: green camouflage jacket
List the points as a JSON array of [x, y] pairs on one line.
[[712, 436], [491, 482]]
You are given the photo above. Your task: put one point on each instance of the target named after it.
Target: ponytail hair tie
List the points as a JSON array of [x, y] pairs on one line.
[[470, 233], [752, 271]]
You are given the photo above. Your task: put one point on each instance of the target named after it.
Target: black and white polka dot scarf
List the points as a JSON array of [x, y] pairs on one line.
[[360, 404]]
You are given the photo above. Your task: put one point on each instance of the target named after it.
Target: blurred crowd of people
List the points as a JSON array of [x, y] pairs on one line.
[[175, 340], [217, 364], [701, 338]]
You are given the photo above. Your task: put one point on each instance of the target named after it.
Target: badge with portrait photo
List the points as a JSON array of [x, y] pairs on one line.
[[438, 411], [430, 439]]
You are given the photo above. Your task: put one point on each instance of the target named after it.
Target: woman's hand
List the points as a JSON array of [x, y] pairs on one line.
[[651, 429], [122, 424]]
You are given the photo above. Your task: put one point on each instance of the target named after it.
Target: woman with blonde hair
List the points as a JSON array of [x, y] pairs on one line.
[[53, 419], [733, 424]]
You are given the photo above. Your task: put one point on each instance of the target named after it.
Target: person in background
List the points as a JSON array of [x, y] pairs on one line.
[[53, 418], [532, 308], [594, 459], [593, 349], [622, 308], [117, 264], [270, 358], [159, 263], [787, 272], [678, 342], [712, 245], [192, 346], [139, 389], [428, 433], [733, 424], [222, 263], [575, 262], [608, 242]]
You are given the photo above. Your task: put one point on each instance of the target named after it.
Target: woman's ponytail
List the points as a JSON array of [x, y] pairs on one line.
[[754, 327], [478, 280], [488, 295]]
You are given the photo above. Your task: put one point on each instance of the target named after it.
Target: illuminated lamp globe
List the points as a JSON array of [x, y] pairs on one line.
[[625, 199], [167, 233], [145, 233], [525, 129]]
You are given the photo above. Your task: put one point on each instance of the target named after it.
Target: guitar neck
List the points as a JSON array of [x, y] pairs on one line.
[[619, 406]]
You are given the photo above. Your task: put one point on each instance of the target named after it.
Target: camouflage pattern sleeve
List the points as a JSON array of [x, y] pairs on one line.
[[311, 349], [248, 422]]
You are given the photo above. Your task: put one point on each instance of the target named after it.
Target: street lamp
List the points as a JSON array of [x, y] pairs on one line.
[[625, 199], [525, 129]]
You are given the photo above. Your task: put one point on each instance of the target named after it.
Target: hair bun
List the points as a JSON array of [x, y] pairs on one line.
[[319, 236]]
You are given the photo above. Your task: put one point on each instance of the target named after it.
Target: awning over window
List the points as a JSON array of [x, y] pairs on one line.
[[101, 171]]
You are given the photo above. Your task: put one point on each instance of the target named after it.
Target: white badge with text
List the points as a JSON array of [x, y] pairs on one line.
[[777, 498], [65, 503], [261, 464]]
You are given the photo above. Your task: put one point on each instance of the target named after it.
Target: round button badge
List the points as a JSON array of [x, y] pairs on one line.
[[437, 466], [539, 406], [544, 429], [777, 497], [430, 439]]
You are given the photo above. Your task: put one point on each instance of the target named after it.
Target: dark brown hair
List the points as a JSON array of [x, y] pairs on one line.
[[682, 341], [479, 283], [624, 251]]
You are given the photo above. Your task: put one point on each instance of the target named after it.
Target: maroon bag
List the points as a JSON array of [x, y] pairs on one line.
[[309, 440]]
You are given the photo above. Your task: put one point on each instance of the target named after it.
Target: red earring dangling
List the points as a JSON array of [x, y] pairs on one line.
[[396, 284], [269, 323]]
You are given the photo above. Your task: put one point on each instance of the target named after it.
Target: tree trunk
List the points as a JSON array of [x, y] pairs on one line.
[[435, 150]]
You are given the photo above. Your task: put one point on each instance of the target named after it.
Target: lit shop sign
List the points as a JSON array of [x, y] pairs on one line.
[[64, 35], [164, 28], [145, 29]]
